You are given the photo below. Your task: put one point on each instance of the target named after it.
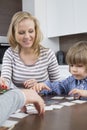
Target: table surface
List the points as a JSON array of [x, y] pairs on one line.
[[67, 118]]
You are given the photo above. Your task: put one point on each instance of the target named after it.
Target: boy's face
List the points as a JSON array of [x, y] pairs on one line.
[[78, 71]]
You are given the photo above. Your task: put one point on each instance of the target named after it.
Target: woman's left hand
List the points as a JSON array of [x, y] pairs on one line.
[[30, 83]]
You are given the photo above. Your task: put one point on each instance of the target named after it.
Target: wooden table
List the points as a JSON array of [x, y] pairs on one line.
[[67, 118]]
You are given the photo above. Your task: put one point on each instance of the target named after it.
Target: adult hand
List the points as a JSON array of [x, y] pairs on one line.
[[30, 83], [2, 82], [3, 86], [34, 98]]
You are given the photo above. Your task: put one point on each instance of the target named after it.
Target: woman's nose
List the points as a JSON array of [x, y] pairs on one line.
[[26, 35]]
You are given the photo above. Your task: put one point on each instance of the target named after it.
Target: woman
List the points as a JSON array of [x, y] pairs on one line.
[[27, 62]]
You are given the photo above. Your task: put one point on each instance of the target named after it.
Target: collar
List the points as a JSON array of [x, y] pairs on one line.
[[82, 81]]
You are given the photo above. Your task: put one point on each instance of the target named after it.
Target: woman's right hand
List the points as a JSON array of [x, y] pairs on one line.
[[3, 86], [2, 82]]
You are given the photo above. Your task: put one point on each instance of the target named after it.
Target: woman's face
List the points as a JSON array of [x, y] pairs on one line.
[[25, 33]]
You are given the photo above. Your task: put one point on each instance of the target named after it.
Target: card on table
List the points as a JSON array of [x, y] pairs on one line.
[[67, 103], [79, 101], [51, 102], [69, 98], [19, 115], [56, 106], [9, 123], [57, 97]]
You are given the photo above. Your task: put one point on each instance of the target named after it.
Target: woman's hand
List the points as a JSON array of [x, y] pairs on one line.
[[77, 93], [40, 86], [3, 86], [30, 83], [2, 82]]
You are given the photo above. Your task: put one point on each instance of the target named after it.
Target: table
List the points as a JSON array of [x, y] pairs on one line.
[[67, 118]]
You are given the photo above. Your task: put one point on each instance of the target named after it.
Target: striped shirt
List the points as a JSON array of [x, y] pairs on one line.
[[14, 70]]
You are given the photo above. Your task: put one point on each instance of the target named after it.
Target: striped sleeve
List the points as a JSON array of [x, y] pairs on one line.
[[53, 67]]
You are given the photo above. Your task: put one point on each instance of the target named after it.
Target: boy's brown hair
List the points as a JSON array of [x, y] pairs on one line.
[[77, 54]]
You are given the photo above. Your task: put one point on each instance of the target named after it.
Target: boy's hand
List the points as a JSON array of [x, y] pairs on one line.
[[40, 86], [77, 93]]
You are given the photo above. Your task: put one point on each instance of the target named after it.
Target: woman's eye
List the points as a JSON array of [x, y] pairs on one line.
[[31, 31], [21, 32]]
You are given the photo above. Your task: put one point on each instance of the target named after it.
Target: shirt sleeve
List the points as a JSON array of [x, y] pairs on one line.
[[6, 70], [59, 87], [55, 88], [10, 102], [53, 68]]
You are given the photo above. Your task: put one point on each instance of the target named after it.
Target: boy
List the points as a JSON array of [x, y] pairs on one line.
[[76, 84]]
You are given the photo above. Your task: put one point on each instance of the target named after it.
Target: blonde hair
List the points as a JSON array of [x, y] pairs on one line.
[[17, 18], [77, 54]]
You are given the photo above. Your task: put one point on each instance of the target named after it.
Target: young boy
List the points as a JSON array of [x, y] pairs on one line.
[[76, 84]]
